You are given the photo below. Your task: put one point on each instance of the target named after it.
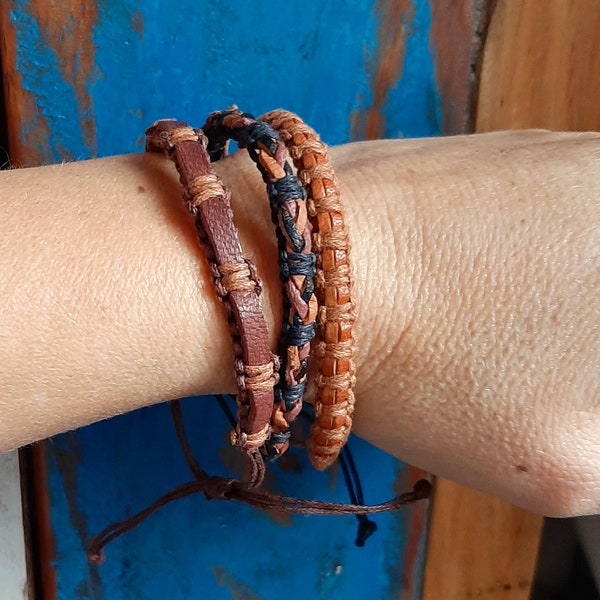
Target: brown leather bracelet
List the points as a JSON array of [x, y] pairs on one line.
[[335, 348], [235, 280]]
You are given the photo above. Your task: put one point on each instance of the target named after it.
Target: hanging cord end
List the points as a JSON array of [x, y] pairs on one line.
[[366, 528], [95, 556], [422, 489]]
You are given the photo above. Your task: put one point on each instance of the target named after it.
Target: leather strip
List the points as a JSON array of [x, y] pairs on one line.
[[335, 349], [235, 281]]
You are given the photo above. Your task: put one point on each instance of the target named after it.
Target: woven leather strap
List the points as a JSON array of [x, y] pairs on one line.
[[235, 280], [335, 349], [296, 259]]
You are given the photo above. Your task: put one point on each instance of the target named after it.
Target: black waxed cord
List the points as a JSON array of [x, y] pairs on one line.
[[366, 528]]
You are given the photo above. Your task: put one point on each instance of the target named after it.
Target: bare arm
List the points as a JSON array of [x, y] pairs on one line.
[[476, 267]]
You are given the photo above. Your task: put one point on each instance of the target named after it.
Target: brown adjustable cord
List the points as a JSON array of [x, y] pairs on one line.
[[335, 349], [223, 488], [235, 280]]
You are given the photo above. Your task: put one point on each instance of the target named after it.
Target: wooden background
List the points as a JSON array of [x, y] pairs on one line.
[[84, 78]]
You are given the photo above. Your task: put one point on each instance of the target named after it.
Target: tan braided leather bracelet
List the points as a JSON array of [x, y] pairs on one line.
[[335, 349], [235, 280]]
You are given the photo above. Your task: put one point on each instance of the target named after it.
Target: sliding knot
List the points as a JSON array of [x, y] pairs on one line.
[[318, 171], [182, 134], [259, 377], [204, 187], [312, 146], [218, 488]]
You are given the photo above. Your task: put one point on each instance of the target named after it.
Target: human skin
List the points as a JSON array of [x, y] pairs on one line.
[[476, 285]]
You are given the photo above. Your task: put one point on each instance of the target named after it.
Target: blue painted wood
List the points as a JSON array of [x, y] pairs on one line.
[[221, 548], [93, 81]]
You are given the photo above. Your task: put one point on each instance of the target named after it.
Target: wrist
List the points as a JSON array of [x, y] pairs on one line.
[[486, 355]]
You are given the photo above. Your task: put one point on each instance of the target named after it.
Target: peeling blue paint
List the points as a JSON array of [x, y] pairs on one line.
[[413, 107], [55, 99], [177, 549], [300, 56]]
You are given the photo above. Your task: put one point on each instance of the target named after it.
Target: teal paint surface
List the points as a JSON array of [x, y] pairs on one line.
[[152, 61]]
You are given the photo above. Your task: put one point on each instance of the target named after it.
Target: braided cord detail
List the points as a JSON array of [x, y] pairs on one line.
[[236, 282], [297, 261], [335, 379]]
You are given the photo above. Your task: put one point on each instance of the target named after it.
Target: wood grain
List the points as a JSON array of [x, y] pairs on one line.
[[479, 547], [458, 29], [539, 69], [540, 66]]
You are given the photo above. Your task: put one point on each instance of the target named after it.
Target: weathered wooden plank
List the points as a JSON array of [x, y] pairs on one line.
[[541, 66], [479, 547], [457, 34]]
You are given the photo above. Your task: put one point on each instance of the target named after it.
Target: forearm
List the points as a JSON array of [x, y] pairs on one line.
[[476, 358], [108, 300]]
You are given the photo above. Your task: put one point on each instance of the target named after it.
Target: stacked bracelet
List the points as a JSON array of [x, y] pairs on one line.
[[296, 259], [236, 283], [335, 380], [264, 425]]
